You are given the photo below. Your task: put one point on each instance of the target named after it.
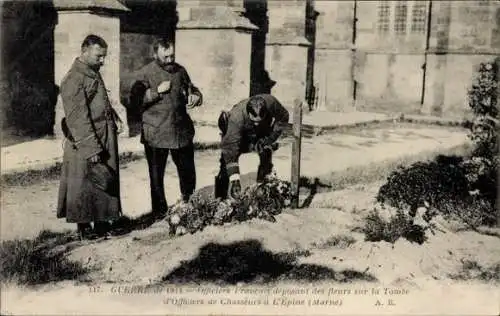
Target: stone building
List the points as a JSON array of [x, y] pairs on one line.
[[396, 56]]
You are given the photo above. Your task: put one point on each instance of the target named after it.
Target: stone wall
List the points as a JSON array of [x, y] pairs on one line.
[[352, 62], [333, 77], [287, 50], [136, 50], [394, 71], [287, 64], [214, 44], [463, 34], [389, 72], [28, 92], [221, 72]]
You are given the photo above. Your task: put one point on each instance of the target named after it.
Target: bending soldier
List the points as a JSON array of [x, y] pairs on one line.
[[252, 125]]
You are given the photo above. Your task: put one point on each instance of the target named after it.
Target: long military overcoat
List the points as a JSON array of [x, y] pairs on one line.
[[91, 123]]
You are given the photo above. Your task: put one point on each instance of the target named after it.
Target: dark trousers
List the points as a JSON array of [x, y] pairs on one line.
[[222, 179], [157, 162]]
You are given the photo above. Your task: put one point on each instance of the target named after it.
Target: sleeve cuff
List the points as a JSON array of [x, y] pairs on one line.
[[233, 168], [235, 176]]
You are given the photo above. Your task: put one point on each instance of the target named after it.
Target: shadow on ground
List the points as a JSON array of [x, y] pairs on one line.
[[248, 261], [125, 224]]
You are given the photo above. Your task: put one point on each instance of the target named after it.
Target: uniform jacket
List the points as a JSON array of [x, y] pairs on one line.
[[91, 122], [241, 132], [165, 121]]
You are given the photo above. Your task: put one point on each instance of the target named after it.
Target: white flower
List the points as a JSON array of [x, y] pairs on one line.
[[250, 210], [175, 219], [222, 206], [181, 230], [272, 175], [474, 192]]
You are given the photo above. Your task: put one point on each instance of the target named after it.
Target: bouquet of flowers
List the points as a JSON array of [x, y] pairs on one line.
[[262, 200]]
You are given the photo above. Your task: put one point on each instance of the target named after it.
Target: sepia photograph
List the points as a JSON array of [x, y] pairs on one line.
[[250, 157]]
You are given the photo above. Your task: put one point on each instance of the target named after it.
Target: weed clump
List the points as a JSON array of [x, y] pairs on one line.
[[461, 187], [39, 260]]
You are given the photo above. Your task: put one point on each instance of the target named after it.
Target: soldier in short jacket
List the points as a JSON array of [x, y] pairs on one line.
[[163, 92], [254, 124]]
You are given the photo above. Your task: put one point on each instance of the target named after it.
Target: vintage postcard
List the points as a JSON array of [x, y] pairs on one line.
[[250, 157]]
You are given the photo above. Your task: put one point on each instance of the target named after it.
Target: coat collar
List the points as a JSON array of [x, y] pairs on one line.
[[85, 69]]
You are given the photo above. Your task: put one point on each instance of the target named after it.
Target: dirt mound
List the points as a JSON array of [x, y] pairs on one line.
[[300, 245]]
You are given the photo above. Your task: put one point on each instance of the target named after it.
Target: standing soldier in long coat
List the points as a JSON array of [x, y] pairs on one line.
[[163, 91], [89, 188]]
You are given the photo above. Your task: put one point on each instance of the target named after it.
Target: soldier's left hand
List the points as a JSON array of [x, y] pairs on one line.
[[95, 159], [261, 145], [119, 127], [193, 99], [258, 146]]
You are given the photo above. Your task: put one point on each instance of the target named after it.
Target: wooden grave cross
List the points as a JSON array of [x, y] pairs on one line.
[[296, 152]]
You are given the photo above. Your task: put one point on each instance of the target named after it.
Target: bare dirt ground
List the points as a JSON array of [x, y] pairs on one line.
[[314, 247], [28, 209]]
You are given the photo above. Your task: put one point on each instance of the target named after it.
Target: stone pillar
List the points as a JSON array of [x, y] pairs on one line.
[[333, 64], [74, 24], [287, 50], [213, 43]]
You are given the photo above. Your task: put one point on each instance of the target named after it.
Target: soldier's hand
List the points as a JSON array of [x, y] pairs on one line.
[[95, 158], [163, 87], [119, 127], [235, 189], [193, 99], [258, 145], [262, 144]]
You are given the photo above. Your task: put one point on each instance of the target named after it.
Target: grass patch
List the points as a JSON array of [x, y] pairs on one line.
[[397, 226], [394, 121], [206, 146], [39, 260], [37, 176], [310, 131], [434, 121], [455, 186], [472, 270], [205, 123], [31, 177], [377, 171], [336, 241]]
